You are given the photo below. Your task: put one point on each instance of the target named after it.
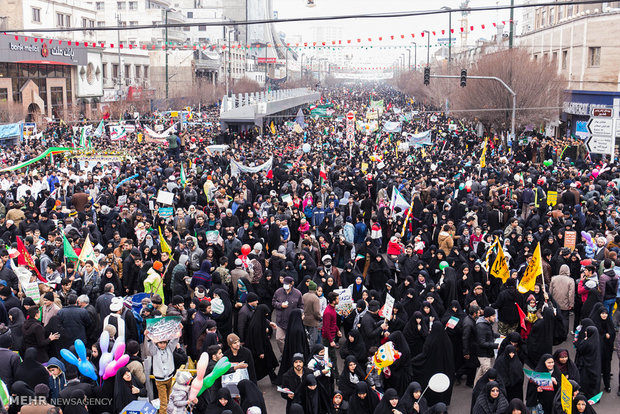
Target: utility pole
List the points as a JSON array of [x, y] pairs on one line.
[[415, 56], [512, 14], [428, 48], [449, 34], [228, 92], [120, 68], [166, 49]]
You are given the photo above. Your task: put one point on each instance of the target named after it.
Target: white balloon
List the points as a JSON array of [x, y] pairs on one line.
[[306, 147], [439, 382]]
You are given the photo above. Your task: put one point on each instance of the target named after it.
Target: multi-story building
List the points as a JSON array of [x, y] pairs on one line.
[[580, 43], [49, 73]]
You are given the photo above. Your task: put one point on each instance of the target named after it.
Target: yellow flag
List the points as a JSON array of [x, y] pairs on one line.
[[483, 162], [500, 268], [273, 128], [534, 268], [566, 395], [163, 245]]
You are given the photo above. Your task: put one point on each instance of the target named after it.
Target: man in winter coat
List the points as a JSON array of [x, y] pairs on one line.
[[9, 360], [485, 341], [74, 321], [562, 290], [470, 353]]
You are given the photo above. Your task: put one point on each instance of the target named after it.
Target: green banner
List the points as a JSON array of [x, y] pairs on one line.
[[53, 150]]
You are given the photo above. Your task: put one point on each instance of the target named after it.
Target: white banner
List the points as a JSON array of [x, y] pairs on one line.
[[236, 168]]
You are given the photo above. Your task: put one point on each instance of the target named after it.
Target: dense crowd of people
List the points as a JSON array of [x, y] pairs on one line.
[[285, 270]]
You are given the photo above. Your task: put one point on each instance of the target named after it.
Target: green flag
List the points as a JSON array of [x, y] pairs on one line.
[[68, 250], [183, 177], [5, 396]]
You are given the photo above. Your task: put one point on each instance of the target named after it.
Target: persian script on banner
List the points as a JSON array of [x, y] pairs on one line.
[[164, 329]]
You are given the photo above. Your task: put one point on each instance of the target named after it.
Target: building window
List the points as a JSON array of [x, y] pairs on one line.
[[186, 28], [594, 57], [146, 72], [190, 15], [569, 10], [535, 58], [88, 23], [560, 10], [120, 5], [133, 5], [100, 5], [551, 15], [63, 20], [100, 24], [115, 70], [36, 15], [202, 28], [564, 59], [133, 23], [138, 72], [104, 67], [127, 71], [543, 18], [4, 94]]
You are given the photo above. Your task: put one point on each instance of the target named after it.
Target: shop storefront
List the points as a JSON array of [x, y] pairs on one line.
[[578, 105], [39, 77]]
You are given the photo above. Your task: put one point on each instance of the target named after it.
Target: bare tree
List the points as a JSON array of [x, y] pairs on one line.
[[246, 85], [536, 83]]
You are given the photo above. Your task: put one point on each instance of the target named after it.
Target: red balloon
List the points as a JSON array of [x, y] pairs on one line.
[[246, 249]]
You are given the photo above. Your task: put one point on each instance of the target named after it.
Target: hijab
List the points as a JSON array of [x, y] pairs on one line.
[[31, 371], [250, 396]]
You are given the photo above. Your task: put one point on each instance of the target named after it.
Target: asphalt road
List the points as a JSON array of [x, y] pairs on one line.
[[461, 396]]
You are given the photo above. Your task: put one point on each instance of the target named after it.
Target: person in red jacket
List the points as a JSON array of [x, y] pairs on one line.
[[330, 332]]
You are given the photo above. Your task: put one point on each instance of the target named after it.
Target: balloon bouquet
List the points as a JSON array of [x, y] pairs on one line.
[[109, 363], [202, 382], [384, 357], [245, 250]]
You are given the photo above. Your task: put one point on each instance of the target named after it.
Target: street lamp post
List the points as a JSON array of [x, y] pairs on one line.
[[415, 56], [428, 48], [166, 49], [449, 34]]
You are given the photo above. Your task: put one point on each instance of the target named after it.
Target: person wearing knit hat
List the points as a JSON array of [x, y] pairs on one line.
[[486, 341], [49, 308], [240, 356], [157, 265], [312, 286]]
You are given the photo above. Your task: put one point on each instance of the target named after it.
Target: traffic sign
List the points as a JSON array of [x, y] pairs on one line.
[[599, 144], [600, 126], [350, 115], [602, 112]]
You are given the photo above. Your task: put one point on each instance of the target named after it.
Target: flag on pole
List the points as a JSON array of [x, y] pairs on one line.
[[398, 200], [534, 268], [323, 173], [24, 259], [272, 127], [500, 268], [69, 253], [521, 316], [5, 396], [116, 135], [99, 130], [87, 253], [163, 245], [483, 162], [183, 177], [82, 137]]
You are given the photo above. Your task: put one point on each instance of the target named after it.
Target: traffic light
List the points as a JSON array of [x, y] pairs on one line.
[[427, 76], [463, 78]]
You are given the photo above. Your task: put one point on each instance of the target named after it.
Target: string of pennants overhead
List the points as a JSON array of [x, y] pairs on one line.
[[356, 42]]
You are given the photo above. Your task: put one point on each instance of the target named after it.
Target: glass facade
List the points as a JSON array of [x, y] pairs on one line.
[[20, 73]]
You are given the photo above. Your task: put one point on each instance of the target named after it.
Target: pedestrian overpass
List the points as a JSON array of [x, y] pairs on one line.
[[241, 112]]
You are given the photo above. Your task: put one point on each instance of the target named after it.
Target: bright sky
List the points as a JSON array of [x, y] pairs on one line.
[[365, 28]]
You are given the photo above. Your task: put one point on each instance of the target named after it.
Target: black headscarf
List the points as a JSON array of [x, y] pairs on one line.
[[357, 348], [250, 396], [436, 357], [31, 371], [367, 405], [295, 342], [588, 360], [217, 408], [486, 404], [122, 390], [510, 370], [569, 369], [384, 406], [347, 379], [408, 400], [76, 396]]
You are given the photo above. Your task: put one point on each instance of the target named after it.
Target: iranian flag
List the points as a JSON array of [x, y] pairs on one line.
[[323, 173]]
